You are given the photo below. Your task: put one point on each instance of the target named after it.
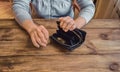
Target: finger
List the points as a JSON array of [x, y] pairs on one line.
[[60, 18], [69, 25], [65, 22], [73, 27], [39, 40], [34, 41], [45, 32], [61, 22], [41, 35]]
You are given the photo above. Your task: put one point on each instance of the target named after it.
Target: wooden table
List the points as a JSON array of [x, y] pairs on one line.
[[99, 53]]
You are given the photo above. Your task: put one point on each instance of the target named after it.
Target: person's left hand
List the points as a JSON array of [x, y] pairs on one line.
[[67, 23]]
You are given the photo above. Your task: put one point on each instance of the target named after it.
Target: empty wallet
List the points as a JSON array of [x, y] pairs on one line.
[[69, 40]]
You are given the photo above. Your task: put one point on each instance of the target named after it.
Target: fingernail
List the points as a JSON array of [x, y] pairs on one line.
[[38, 46]]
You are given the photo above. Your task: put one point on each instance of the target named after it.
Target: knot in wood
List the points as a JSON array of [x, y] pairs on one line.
[[114, 67], [104, 36], [8, 63]]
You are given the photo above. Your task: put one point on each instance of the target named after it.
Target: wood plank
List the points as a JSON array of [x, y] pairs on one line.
[[20, 35], [61, 63], [104, 9], [114, 12], [95, 23], [98, 41], [6, 10], [110, 8], [93, 47], [100, 11]]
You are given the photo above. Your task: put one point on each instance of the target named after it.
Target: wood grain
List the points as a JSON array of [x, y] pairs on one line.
[[99, 53], [15, 41], [6, 10], [105, 8], [95, 23], [61, 63]]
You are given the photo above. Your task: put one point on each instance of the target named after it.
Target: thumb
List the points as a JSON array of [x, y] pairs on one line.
[[60, 18]]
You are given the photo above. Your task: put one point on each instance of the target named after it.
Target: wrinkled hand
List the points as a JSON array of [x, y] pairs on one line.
[[67, 23], [39, 36]]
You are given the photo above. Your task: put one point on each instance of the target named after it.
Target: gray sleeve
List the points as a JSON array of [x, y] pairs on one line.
[[21, 9], [87, 9]]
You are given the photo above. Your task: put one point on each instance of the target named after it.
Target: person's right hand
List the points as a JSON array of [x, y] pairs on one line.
[[39, 36]]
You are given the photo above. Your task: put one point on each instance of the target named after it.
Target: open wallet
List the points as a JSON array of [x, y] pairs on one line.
[[69, 40]]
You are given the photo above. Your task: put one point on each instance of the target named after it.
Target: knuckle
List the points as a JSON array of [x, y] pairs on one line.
[[41, 35], [71, 23], [39, 30], [68, 16], [64, 20], [72, 20], [74, 26], [39, 41], [67, 21], [41, 26], [64, 26], [31, 35]]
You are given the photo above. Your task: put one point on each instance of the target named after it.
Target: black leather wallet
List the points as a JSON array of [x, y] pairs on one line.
[[68, 40]]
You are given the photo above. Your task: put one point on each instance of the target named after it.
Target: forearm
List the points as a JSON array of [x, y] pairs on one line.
[[21, 10], [28, 25], [87, 13], [80, 22], [87, 9]]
